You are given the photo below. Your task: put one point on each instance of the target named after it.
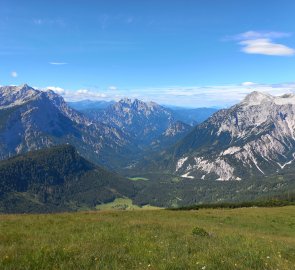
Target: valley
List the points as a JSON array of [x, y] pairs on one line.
[[141, 152], [147, 135]]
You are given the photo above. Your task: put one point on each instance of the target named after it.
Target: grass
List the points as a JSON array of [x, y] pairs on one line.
[[232, 205], [246, 238], [138, 179], [123, 204], [118, 204]]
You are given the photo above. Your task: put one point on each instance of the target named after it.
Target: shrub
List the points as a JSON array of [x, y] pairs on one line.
[[197, 231]]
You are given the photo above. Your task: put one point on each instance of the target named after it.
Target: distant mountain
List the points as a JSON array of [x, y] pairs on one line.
[[141, 121], [57, 179], [32, 119], [85, 105], [175, 131], [254, 138], [192, 116]]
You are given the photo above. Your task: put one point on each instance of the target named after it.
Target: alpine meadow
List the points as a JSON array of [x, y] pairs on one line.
[[147, 135]]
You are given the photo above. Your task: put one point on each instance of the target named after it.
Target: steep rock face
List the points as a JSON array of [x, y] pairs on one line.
[[254, 137], [143, 122], [31, 119], [175, 131]]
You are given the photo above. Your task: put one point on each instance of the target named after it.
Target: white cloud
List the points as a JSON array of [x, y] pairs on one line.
[[265, 46], [113, 88], [206, 96], [82, 92], [13, 74], [57, 90], [254, 42], [193, 96], [248, 83], [58, 63]]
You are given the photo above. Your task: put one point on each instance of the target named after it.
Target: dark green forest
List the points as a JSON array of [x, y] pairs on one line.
[[57, 179]]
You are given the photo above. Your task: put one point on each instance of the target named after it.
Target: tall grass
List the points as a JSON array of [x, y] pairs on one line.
[[256, 238]]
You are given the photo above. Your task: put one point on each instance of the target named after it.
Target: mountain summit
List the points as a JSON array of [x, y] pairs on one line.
[[143, 122], [254, 137], [32, 119]]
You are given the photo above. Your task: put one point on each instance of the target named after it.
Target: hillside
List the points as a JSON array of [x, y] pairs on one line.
[[249, 238], [57, 179]]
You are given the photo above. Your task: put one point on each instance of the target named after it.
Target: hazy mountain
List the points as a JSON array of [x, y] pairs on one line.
[[144, 122], [192, 116], [85, 105], [57, 179], [175, 131], [31, 119], [252, 138]]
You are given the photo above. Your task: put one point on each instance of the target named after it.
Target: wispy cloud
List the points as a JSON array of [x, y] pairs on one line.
[[58, 63], [112, 87], [46, 21], [129, 20], [254, 42], [263, 34], [13, 74]]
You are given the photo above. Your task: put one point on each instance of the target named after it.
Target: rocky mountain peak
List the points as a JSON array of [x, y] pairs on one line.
[[25, 87], [16, 95], [254, 137], [256, 98], [136, 105]]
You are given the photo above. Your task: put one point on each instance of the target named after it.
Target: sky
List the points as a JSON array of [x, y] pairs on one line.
[[194, 53]]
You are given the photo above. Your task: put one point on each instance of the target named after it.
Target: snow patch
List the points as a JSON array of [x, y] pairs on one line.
[[186, 175], [180, 163], [230, 151]]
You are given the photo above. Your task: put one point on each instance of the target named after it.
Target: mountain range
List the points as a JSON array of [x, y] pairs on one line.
[[31, 119], [250, 145], [189, 116]]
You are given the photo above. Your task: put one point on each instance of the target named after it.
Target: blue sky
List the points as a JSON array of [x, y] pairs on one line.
[[192, 53]]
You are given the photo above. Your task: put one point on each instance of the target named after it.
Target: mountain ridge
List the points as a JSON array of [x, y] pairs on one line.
[[31, 119], [258, 133]]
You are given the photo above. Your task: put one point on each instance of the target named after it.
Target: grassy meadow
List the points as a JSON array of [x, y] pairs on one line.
[[138, 179], [124, 204], [247, 238]]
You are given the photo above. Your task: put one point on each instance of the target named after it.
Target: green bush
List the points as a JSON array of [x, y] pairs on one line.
[[197, 231]]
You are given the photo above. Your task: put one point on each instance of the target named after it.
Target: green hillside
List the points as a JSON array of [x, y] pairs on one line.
[[57, 179], [210, 239]]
